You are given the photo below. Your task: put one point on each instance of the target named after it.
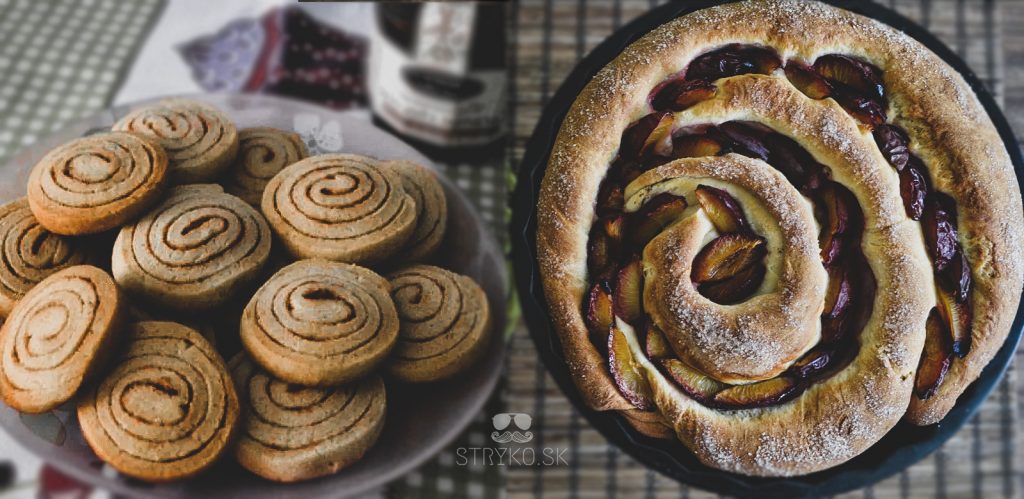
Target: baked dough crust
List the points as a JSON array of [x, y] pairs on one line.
[[838, 418]]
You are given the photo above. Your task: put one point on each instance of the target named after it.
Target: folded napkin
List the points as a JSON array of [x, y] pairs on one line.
[[284, 52]]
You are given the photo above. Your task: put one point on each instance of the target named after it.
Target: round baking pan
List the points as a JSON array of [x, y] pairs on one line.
[[904, 445]]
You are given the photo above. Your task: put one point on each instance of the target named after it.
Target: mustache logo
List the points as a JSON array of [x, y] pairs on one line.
[[512, 436], [505, 432]]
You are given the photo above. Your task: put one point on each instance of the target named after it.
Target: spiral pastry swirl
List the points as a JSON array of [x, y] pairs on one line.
[[291, 433], [96, 183], [169, 409], [199, 140], [776, 244], [194, 250], [320, 323], [262, 153], [444, 323], [29, 253], [57, 338], [341, 207], [431, 209]]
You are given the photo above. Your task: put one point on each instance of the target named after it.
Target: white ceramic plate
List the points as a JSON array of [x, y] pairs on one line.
[[420, 419]]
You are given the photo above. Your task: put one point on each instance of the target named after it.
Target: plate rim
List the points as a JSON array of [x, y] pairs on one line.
[[121, 485]]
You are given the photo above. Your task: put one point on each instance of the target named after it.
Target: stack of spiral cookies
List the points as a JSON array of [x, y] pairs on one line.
[[144, 257]]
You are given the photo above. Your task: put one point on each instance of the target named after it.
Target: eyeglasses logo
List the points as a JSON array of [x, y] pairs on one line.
[[520, 434]]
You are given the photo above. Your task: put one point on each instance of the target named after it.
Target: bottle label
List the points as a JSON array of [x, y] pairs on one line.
[[426, 80]]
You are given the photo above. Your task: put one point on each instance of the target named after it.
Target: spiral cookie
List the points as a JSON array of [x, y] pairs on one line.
[[192, 251], [431, 209], [776, 228], [320, 323], [340, 207], [444, 323], [96, 183], [57, 337], [292, 433], [199, 140], [262, 152], [29, 253], [169, 409]]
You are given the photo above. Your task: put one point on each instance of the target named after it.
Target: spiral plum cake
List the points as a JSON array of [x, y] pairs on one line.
[[774, 228]]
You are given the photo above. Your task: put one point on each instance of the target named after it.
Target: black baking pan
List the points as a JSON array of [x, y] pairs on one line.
[[902, 446]]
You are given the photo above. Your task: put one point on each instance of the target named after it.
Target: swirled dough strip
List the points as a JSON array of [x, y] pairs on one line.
[[29, 253], [194, 250], [262, 153], [169, 409], [341, 207], [320, 323], [431, 209], [444, 323], [58, 337], [96, 183], [292, 433], [200, 141]]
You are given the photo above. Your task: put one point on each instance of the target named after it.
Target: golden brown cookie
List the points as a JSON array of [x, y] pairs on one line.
[[96, 183], [291, 433], [192, 251], [200, 141], [431, 210], [167, 411], [262, 153], [29, 253], [444, 323], [320, 323], [341, 207], [58, 337]]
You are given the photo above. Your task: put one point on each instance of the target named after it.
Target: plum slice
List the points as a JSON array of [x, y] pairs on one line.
[[605, 243], [856, 75], [610, 198], [679, 94], [636, 139], [736, 288], [659, 212], [695, 146], [813, 363], [839, 205], [940, 234], [727, 256], [913, 189], [757, 394], [747, 139], [838, 294], [626, 373], [721, 208], [692, 382], [790, 158], [629, 288], [864, 109], [656, 345], [935, 359], [600, 313], [732, 60], [957, 277], [806, 80], [892, 141], [957, 317]]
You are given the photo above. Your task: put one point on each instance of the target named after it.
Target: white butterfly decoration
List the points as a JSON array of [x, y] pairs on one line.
[[319, 138]]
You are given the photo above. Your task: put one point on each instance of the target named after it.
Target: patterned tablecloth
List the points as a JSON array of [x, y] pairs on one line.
[[64, 59]]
